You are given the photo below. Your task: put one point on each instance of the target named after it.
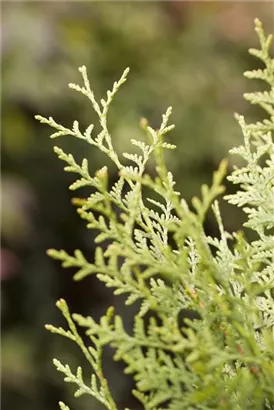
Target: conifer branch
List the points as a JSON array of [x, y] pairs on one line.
[[159, 255]]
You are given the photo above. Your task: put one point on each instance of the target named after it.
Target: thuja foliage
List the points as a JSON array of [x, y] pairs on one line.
[[155, 250]]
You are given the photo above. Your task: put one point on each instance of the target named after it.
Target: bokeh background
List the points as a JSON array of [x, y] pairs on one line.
[[190, 55]]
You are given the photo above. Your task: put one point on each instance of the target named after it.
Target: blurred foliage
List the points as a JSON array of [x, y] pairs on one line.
[[186, 54]]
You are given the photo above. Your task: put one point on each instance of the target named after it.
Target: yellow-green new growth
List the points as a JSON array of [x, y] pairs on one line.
[[207, 343]]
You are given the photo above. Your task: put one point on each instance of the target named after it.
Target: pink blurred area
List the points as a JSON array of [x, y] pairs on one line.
[[9, 264]]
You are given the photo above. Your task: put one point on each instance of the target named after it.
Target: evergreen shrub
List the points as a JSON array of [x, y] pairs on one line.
[[202, 337]]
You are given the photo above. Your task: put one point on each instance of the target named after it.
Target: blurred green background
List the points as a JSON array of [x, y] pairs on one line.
[[190, 55]]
